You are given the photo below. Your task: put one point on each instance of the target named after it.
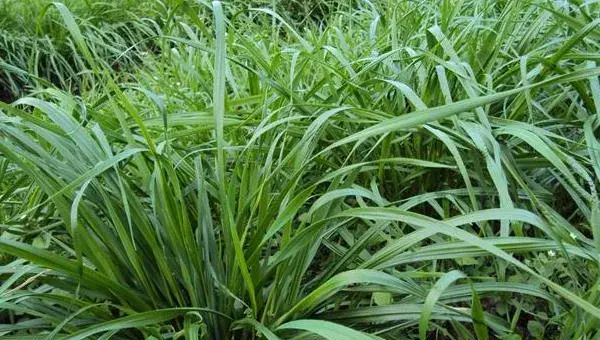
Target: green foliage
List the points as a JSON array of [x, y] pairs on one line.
[[36, 48], [322, 169]]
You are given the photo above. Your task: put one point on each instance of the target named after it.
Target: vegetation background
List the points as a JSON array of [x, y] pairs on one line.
[[358, 169]]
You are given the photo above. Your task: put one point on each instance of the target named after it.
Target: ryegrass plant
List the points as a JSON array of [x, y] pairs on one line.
[[384, 170], [36, 48]]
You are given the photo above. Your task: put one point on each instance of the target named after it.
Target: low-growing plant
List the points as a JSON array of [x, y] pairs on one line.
[[398, 170]]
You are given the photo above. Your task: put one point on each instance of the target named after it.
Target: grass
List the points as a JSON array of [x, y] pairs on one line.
[[337, 170]]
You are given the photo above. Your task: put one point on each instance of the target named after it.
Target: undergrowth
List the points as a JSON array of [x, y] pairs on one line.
[[328, 169]]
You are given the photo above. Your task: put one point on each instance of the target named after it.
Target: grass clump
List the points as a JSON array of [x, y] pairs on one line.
[[387, 170]]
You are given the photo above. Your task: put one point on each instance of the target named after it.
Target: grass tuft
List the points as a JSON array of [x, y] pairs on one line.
[[285, 169]]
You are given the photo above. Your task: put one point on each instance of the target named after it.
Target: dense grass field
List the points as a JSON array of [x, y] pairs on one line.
[[319, 169]]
